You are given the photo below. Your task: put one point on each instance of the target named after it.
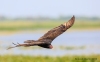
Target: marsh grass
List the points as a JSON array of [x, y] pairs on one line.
[[67, 58], [33, 25]]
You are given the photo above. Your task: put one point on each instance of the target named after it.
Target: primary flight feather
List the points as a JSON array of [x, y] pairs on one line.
[[47, 38]]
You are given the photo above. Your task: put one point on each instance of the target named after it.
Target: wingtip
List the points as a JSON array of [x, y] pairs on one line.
[[73, 17], [70, 22], [9, 48]]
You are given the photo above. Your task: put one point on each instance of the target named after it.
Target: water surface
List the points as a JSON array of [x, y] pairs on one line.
[[90, 40]]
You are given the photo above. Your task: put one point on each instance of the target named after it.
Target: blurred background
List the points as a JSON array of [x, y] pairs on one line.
[[22, 20]]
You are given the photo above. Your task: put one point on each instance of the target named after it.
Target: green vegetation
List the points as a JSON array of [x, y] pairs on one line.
[[71, 47], [32, 25], [67, 58]]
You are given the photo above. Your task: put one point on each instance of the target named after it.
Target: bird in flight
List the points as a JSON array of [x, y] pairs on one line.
[[46, 40]]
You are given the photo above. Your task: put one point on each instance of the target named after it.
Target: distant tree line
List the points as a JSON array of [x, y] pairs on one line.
[[2, 18]]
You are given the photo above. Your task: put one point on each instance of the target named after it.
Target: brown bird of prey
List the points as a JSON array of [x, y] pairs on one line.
[[47, 38]]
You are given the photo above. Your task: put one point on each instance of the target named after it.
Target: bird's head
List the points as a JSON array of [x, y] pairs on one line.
[[50, 46]]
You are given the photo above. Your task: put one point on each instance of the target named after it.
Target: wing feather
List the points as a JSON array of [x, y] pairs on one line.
[[53, 33], [27, 44]]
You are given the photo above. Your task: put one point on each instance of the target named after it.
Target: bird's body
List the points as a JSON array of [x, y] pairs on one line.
[[46, 39]]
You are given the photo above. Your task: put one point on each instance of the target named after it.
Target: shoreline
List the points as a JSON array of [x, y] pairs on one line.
[[44, 31]]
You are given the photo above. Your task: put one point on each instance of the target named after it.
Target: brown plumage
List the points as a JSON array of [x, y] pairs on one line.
[[46, 39]]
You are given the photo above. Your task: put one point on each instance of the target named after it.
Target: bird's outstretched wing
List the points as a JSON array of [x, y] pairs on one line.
[[27, 44], [53, 33]]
